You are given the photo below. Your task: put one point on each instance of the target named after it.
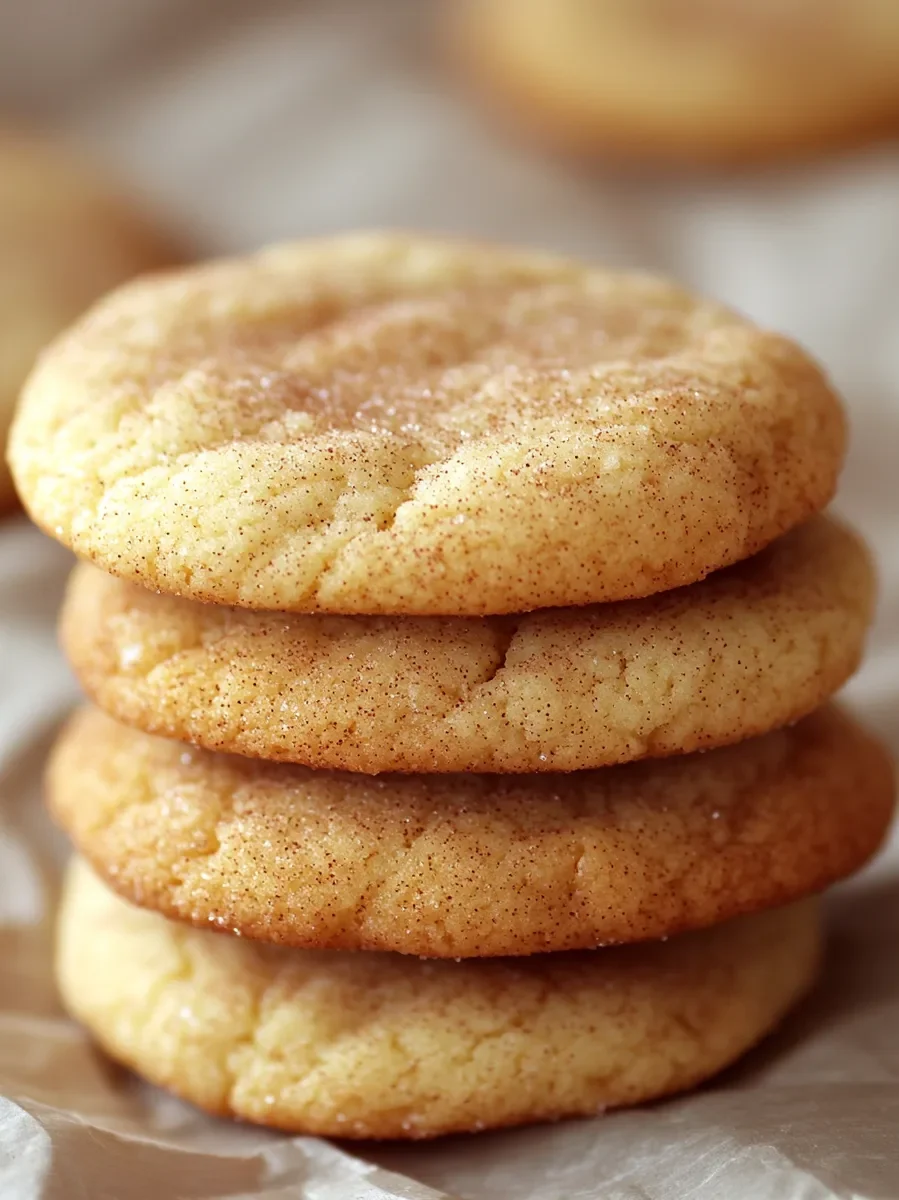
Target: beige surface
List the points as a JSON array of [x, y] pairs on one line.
[[386, 424], [65, 238], [746, 650], [701, 80], [370, 1045], [466, 865]]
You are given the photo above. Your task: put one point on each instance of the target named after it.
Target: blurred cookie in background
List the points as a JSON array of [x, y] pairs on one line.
[[66, 237], [705, 81]]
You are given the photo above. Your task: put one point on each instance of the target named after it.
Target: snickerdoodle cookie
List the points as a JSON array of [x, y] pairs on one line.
[[704, 80], [468, 865], [65, 239], [746, 650], [390, 424], [377, 1045]]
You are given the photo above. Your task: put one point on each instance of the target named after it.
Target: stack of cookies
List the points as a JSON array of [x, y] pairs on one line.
[[368, 854]]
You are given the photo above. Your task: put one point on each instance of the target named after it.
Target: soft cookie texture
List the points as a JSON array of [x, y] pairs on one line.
[[389, 424], [469, 865], [65, 239], [750, 648], [378, 1046], [711, 81]]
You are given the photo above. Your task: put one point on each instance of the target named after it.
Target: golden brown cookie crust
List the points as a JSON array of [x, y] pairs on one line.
[[65, 239], [471, 865], [746, 650], [693, 81], [378, 1046], [390, 424]]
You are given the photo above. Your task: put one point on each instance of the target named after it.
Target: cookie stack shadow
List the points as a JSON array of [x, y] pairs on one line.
[[414, 863]]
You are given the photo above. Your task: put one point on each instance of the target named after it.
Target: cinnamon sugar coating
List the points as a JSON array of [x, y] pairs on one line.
[[377, 1046], [390, 424], [471, 865], [748, 649]]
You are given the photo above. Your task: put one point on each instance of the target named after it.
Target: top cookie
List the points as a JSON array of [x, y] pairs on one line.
[[389, 424], [65, 239], [703, 80]]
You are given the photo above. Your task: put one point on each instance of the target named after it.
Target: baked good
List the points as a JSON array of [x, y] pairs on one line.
[[65, 238], [704, 81], [471, 865], [748, 649], [377, 1045], [392, 424]]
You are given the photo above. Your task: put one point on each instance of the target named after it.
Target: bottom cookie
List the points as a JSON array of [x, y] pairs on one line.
[[376, 1045]]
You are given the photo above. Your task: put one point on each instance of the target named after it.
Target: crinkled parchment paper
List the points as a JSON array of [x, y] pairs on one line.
[[253, 122]]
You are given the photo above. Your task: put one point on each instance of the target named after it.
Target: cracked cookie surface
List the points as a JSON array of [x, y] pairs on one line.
[[389, 424], [65, 239], [376, 1045], [748, 649], [471, 865]]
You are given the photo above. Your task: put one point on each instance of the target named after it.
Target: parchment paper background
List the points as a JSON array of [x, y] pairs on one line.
[[249, 122]]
